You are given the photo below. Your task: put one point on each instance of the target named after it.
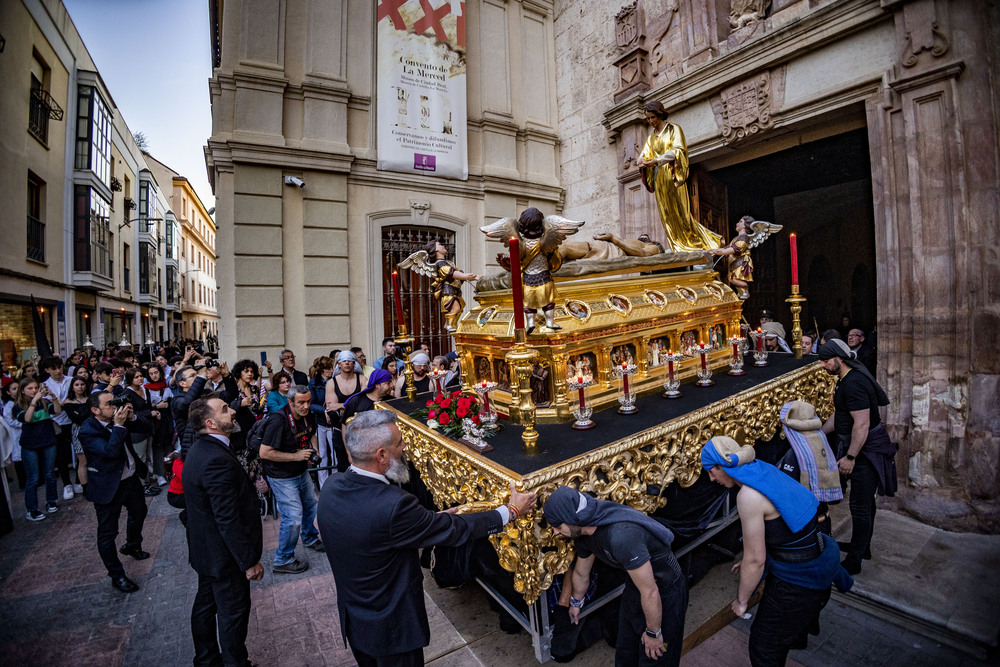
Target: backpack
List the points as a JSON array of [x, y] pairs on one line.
[[256, 436]]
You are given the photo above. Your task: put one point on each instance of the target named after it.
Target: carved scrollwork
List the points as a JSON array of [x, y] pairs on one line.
[[622, 471]]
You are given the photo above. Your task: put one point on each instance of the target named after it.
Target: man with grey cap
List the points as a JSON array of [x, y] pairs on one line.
[[651, 619], [421, 380], [865, 454]]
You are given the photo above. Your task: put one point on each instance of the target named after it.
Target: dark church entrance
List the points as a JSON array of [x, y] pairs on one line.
[[821, 191]]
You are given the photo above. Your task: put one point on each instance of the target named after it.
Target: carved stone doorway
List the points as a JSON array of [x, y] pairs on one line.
[[420, 308], [822, 191]]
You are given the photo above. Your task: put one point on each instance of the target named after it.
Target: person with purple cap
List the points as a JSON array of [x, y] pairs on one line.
[[379, 386], [651, 618]]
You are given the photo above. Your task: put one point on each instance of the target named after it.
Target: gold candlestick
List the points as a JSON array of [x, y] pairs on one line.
[[521, 360], [404, 342], [796, 309]]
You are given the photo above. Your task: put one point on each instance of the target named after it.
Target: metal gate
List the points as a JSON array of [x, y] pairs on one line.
[[420, 309]]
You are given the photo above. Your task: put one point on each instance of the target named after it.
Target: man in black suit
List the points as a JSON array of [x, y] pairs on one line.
[[224, 536], [288, 365], [373, 529], [115, 473]]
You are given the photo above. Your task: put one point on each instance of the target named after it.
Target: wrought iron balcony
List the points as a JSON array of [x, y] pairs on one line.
[[42, 109], [36, 239]]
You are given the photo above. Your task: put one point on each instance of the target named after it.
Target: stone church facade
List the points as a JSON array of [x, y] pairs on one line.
[[868, 127]]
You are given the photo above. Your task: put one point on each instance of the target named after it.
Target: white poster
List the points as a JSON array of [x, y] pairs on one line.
[[421, 88]]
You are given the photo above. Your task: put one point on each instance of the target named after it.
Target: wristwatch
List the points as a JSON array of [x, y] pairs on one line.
[[654, 635], [849, 457]]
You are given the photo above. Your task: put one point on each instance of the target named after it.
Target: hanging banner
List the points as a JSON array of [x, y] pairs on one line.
[[421, 103]]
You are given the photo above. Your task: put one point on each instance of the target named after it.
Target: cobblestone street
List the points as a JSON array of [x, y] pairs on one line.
[[57, 608]]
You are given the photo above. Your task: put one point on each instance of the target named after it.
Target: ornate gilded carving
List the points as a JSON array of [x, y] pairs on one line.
[[621, 471], [746, 108]]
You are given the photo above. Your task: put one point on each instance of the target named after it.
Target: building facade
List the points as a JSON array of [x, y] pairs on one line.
[[190, 258], [89, 230], [868, 127]]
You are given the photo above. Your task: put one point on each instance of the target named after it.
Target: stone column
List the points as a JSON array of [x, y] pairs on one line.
[[935, 181]]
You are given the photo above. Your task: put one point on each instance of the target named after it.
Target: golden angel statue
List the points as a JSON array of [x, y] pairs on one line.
[[540, 237], [447, 285], [750, 233], [664, 167]]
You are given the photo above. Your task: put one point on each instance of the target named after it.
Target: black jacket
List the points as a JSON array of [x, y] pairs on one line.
[[106, 457], [224, 531], [179, 406], [372, 532]]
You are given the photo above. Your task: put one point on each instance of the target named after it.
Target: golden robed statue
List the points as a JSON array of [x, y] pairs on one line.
[[664, 167]]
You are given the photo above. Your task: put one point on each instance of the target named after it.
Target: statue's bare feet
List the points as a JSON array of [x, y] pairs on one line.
[[602, 237]]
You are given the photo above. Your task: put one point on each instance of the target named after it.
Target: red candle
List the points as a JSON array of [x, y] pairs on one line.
[[703, 364], [583, 395], [624, 380], [736, 351], [670, 365], [760, 340], [486, 401], [795, 260], [397, 296], [515, 282]]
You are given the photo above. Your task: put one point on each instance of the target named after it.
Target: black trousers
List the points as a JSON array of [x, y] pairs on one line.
[[130, 496], [864, 484], [414, 658], [65, 459], [629, 650], [785, 614], [219, 619]]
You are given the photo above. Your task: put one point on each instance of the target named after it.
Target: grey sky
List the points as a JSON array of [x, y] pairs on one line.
[[154, 56]]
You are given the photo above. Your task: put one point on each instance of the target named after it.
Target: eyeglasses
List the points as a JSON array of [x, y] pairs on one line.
[[854, 335]]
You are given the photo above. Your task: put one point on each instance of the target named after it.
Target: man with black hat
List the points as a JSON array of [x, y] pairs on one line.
[[864, 451], [651, 620]]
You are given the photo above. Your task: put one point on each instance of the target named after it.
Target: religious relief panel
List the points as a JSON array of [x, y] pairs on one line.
[[629, 26], [744, 12], [745, 108]]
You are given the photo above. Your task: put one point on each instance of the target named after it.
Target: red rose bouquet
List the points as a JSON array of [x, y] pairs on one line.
[[446, 412]]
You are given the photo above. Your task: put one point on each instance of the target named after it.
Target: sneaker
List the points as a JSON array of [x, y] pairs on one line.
[[34, 515], [295, 567], [78, 489], [161, 481], [52, 507], [151, 490], [317, 546], [68, 492]]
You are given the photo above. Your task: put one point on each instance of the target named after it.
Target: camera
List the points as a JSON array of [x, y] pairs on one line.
[[315, 459], [121, 400], [294, 181], [211, 363]]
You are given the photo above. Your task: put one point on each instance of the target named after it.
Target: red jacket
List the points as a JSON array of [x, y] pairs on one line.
[[176, 483]]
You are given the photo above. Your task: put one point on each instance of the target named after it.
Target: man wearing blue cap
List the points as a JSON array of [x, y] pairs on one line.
[[651, 619]]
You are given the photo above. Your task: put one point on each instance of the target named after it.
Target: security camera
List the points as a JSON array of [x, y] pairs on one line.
[[297, 182]]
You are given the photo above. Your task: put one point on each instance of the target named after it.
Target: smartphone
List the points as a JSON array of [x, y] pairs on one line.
[[263, 358]]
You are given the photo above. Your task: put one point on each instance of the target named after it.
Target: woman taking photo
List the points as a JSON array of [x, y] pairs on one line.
[[159, 399], [75, 407], [35, 407], [135, 383], [250, 401]]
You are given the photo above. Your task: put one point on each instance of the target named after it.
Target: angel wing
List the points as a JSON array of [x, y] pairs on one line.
[[419, 262], [503, 229], [759, 231], [557, 228]]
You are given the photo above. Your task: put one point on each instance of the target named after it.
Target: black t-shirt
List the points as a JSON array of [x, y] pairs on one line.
[[854, 392], [278, 435], [629, 546], [360, 404]]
